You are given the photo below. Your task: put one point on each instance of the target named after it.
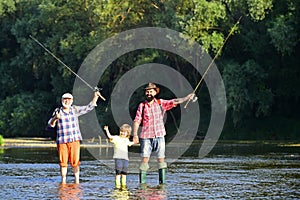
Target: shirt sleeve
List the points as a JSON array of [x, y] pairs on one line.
[[130, 143], [167, 104], [81, 110], [138, 116], [49, 125], [113, 139]]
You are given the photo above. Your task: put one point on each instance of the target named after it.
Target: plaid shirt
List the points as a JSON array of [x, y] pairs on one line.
[[68, 125], [153, 123]]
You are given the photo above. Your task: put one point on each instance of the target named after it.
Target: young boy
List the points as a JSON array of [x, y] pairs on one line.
[[121, 143]]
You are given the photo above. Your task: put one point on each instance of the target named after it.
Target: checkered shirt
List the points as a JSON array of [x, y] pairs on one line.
[[68, 125], [152, 121]]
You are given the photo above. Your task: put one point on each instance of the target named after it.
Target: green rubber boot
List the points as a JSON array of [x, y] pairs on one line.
[[162, 168], [162, 175], [143, 175], [143, 172]]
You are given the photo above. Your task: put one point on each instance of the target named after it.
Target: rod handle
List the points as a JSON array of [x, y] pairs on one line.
[[96, 89]]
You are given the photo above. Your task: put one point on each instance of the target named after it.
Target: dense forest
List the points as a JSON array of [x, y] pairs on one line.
[[259, 63]]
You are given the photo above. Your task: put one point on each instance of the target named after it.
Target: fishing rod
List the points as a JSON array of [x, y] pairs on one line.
[[95, 89], [213, 60]]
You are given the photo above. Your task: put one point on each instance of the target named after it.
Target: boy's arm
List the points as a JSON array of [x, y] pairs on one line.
[[131, 143], [107, 132]]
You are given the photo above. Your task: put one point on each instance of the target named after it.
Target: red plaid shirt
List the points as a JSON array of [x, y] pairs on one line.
[[152, 117]]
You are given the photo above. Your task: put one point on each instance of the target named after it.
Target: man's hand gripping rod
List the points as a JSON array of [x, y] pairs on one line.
[[95, 89]]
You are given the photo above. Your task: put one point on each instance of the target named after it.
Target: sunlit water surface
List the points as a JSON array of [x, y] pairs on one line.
[[230, 171]]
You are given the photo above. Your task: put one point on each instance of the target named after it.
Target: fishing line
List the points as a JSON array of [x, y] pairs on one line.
[[48, 51], [213, 60]]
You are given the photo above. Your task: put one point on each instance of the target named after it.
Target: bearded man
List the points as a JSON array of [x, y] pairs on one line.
[[152, 137]]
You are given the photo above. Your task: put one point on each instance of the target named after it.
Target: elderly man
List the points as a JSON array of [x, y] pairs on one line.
[[152, 137], [68, 133]]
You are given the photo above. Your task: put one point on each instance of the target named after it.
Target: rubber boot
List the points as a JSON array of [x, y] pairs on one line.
[[143, 172], [143, 175], [162, 175], [123, 181], [118, 181], [162, 168]]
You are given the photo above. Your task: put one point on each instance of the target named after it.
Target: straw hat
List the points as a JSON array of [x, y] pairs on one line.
[[152, 86]]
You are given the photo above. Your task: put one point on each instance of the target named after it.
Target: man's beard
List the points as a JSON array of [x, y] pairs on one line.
[[149, 98], [67, 106]]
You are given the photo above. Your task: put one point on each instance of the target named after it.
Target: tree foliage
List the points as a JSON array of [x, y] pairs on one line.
[[259, 63], [247, 90], [22, 113]]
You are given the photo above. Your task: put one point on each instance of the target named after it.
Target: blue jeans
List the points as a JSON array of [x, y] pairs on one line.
[[156, 145]]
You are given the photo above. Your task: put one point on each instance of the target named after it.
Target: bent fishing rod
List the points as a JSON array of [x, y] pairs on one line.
[[48, 51], [213, 60]]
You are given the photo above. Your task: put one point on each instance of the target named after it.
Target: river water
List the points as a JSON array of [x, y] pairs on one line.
[[230, 171]]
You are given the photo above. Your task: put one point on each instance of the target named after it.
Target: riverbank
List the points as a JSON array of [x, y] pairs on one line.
[[28, 142], [48, 142]]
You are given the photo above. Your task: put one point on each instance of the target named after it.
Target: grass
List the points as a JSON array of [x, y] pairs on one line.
[[1, 140]]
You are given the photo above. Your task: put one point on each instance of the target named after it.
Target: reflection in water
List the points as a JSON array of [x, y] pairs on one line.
[[70, 191], [154, 193], [121, 194], [144, 192]]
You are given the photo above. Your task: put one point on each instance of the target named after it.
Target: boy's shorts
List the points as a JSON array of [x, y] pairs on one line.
[[69, 152], [121, 166], [156, 145]]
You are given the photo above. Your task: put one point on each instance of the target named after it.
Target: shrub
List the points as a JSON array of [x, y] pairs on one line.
[[1, 140]]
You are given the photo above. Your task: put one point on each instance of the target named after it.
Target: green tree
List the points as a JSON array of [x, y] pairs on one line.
[[23, 114], [246, 90], [259, 62]]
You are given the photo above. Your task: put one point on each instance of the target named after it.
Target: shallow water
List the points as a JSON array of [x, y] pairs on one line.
[[230, 171]]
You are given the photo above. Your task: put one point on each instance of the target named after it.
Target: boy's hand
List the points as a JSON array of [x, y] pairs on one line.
[[106, 128]]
